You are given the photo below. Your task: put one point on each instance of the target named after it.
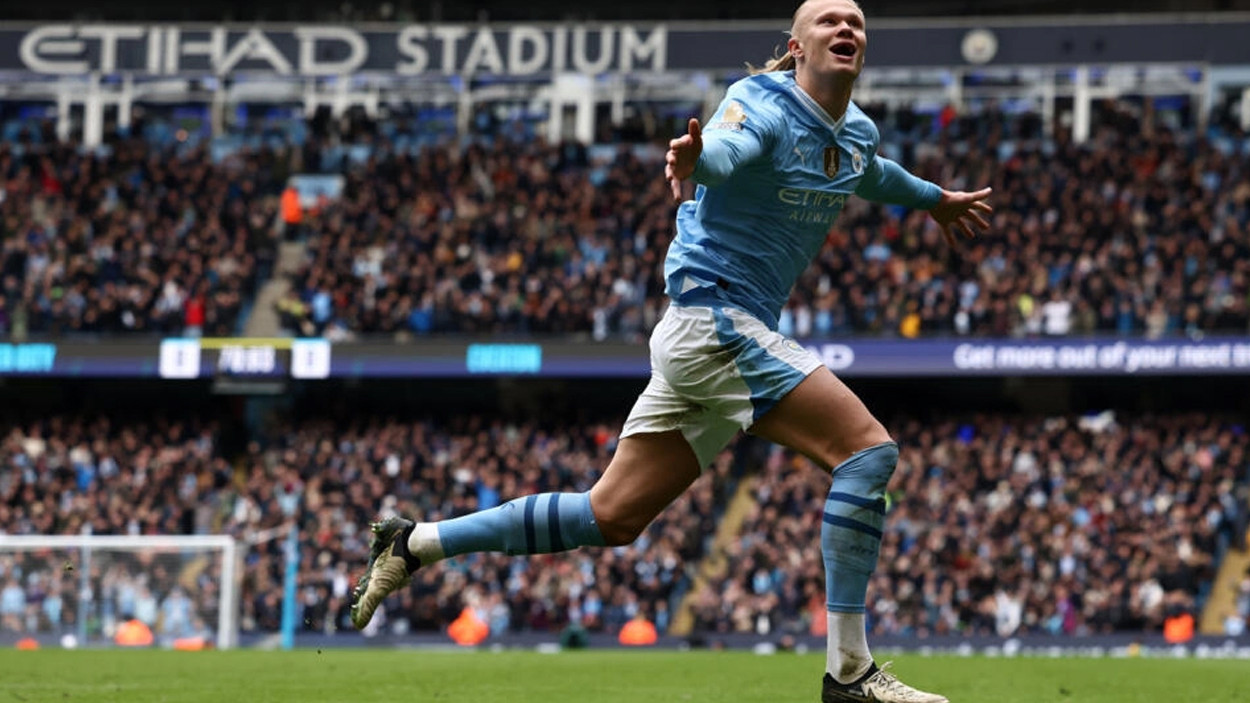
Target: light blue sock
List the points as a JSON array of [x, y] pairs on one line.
[[536, 524], [850, 536]]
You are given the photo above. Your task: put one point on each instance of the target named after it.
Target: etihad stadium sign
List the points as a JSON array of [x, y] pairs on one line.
[[598, 48], [322, 50]]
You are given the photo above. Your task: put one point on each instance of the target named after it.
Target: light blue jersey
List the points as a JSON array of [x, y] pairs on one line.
[[774, 174]]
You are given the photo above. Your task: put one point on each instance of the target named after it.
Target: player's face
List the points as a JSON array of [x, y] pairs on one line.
[[831, 38]]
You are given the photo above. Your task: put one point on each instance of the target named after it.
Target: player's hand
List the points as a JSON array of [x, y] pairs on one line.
[[962, 212], [683, 154]]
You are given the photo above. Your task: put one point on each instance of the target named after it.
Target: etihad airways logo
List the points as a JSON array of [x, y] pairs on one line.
[[811, 206], [802, 197]]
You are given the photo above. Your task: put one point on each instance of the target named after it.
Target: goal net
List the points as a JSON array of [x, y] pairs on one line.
[[98, 590]]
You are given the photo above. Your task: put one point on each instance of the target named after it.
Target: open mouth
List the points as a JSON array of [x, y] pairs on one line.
[[845, 50]]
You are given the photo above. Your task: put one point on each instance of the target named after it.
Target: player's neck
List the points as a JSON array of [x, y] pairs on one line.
[[833, 96]]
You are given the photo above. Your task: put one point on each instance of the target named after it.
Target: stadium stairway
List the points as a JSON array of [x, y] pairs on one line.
[[715, 563], [264, 321], [1223, 599]]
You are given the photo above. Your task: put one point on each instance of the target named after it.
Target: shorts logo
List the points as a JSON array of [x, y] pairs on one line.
[[857, 162], [833, 161], [792, 345], [732, 118]]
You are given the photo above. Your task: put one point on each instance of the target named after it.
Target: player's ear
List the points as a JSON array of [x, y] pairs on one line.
[[792, 45]]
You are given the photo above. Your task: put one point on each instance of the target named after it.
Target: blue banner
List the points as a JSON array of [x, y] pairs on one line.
[[27, 359]]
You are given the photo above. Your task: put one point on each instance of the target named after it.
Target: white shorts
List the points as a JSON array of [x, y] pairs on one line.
[[715, 371]]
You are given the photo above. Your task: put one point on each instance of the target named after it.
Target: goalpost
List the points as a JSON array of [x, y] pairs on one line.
[[79, 588]]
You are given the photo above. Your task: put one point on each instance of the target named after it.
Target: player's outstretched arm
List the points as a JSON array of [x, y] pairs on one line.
[[965, 212], [683, 155]]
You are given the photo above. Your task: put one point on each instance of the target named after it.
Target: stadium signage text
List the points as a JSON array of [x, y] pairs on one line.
[[540, 50], [504, 358], [27, 358], [247, 360], [837, 357], [323, 50], [1119, 357]]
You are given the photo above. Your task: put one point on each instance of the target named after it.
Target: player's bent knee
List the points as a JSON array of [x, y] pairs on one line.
[[837, 449], [620, 532], [618, 526], [872, 434]]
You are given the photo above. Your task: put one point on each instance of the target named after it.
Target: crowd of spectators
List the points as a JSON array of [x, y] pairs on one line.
[[1142, 230], [1000, 525], [340, 478], [506, 238], [133, 239], [69, 474], [1237, 622]]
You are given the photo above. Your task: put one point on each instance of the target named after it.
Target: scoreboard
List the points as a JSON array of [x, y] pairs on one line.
[[245, 358]]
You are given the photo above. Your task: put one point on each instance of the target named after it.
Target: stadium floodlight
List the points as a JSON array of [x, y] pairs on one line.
[[81, 587]]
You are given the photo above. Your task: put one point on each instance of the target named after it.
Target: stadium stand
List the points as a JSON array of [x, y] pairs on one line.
[[509, 237], [445, 470], [67, 475], [521, 238], [999, 523], [138, 240], [172, 478], [1007, 524]]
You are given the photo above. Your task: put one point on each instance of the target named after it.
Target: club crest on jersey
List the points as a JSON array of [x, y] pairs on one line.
[[732, 118], [833, 161], [857, 161]]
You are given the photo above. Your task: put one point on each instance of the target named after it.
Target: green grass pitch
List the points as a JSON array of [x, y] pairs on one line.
[[405, 676]]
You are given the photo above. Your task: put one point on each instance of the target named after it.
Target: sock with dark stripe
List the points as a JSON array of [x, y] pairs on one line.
[[850, 539], [536, 524]]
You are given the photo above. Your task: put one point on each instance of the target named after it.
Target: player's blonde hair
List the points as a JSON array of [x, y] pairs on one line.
[[786, 61]]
